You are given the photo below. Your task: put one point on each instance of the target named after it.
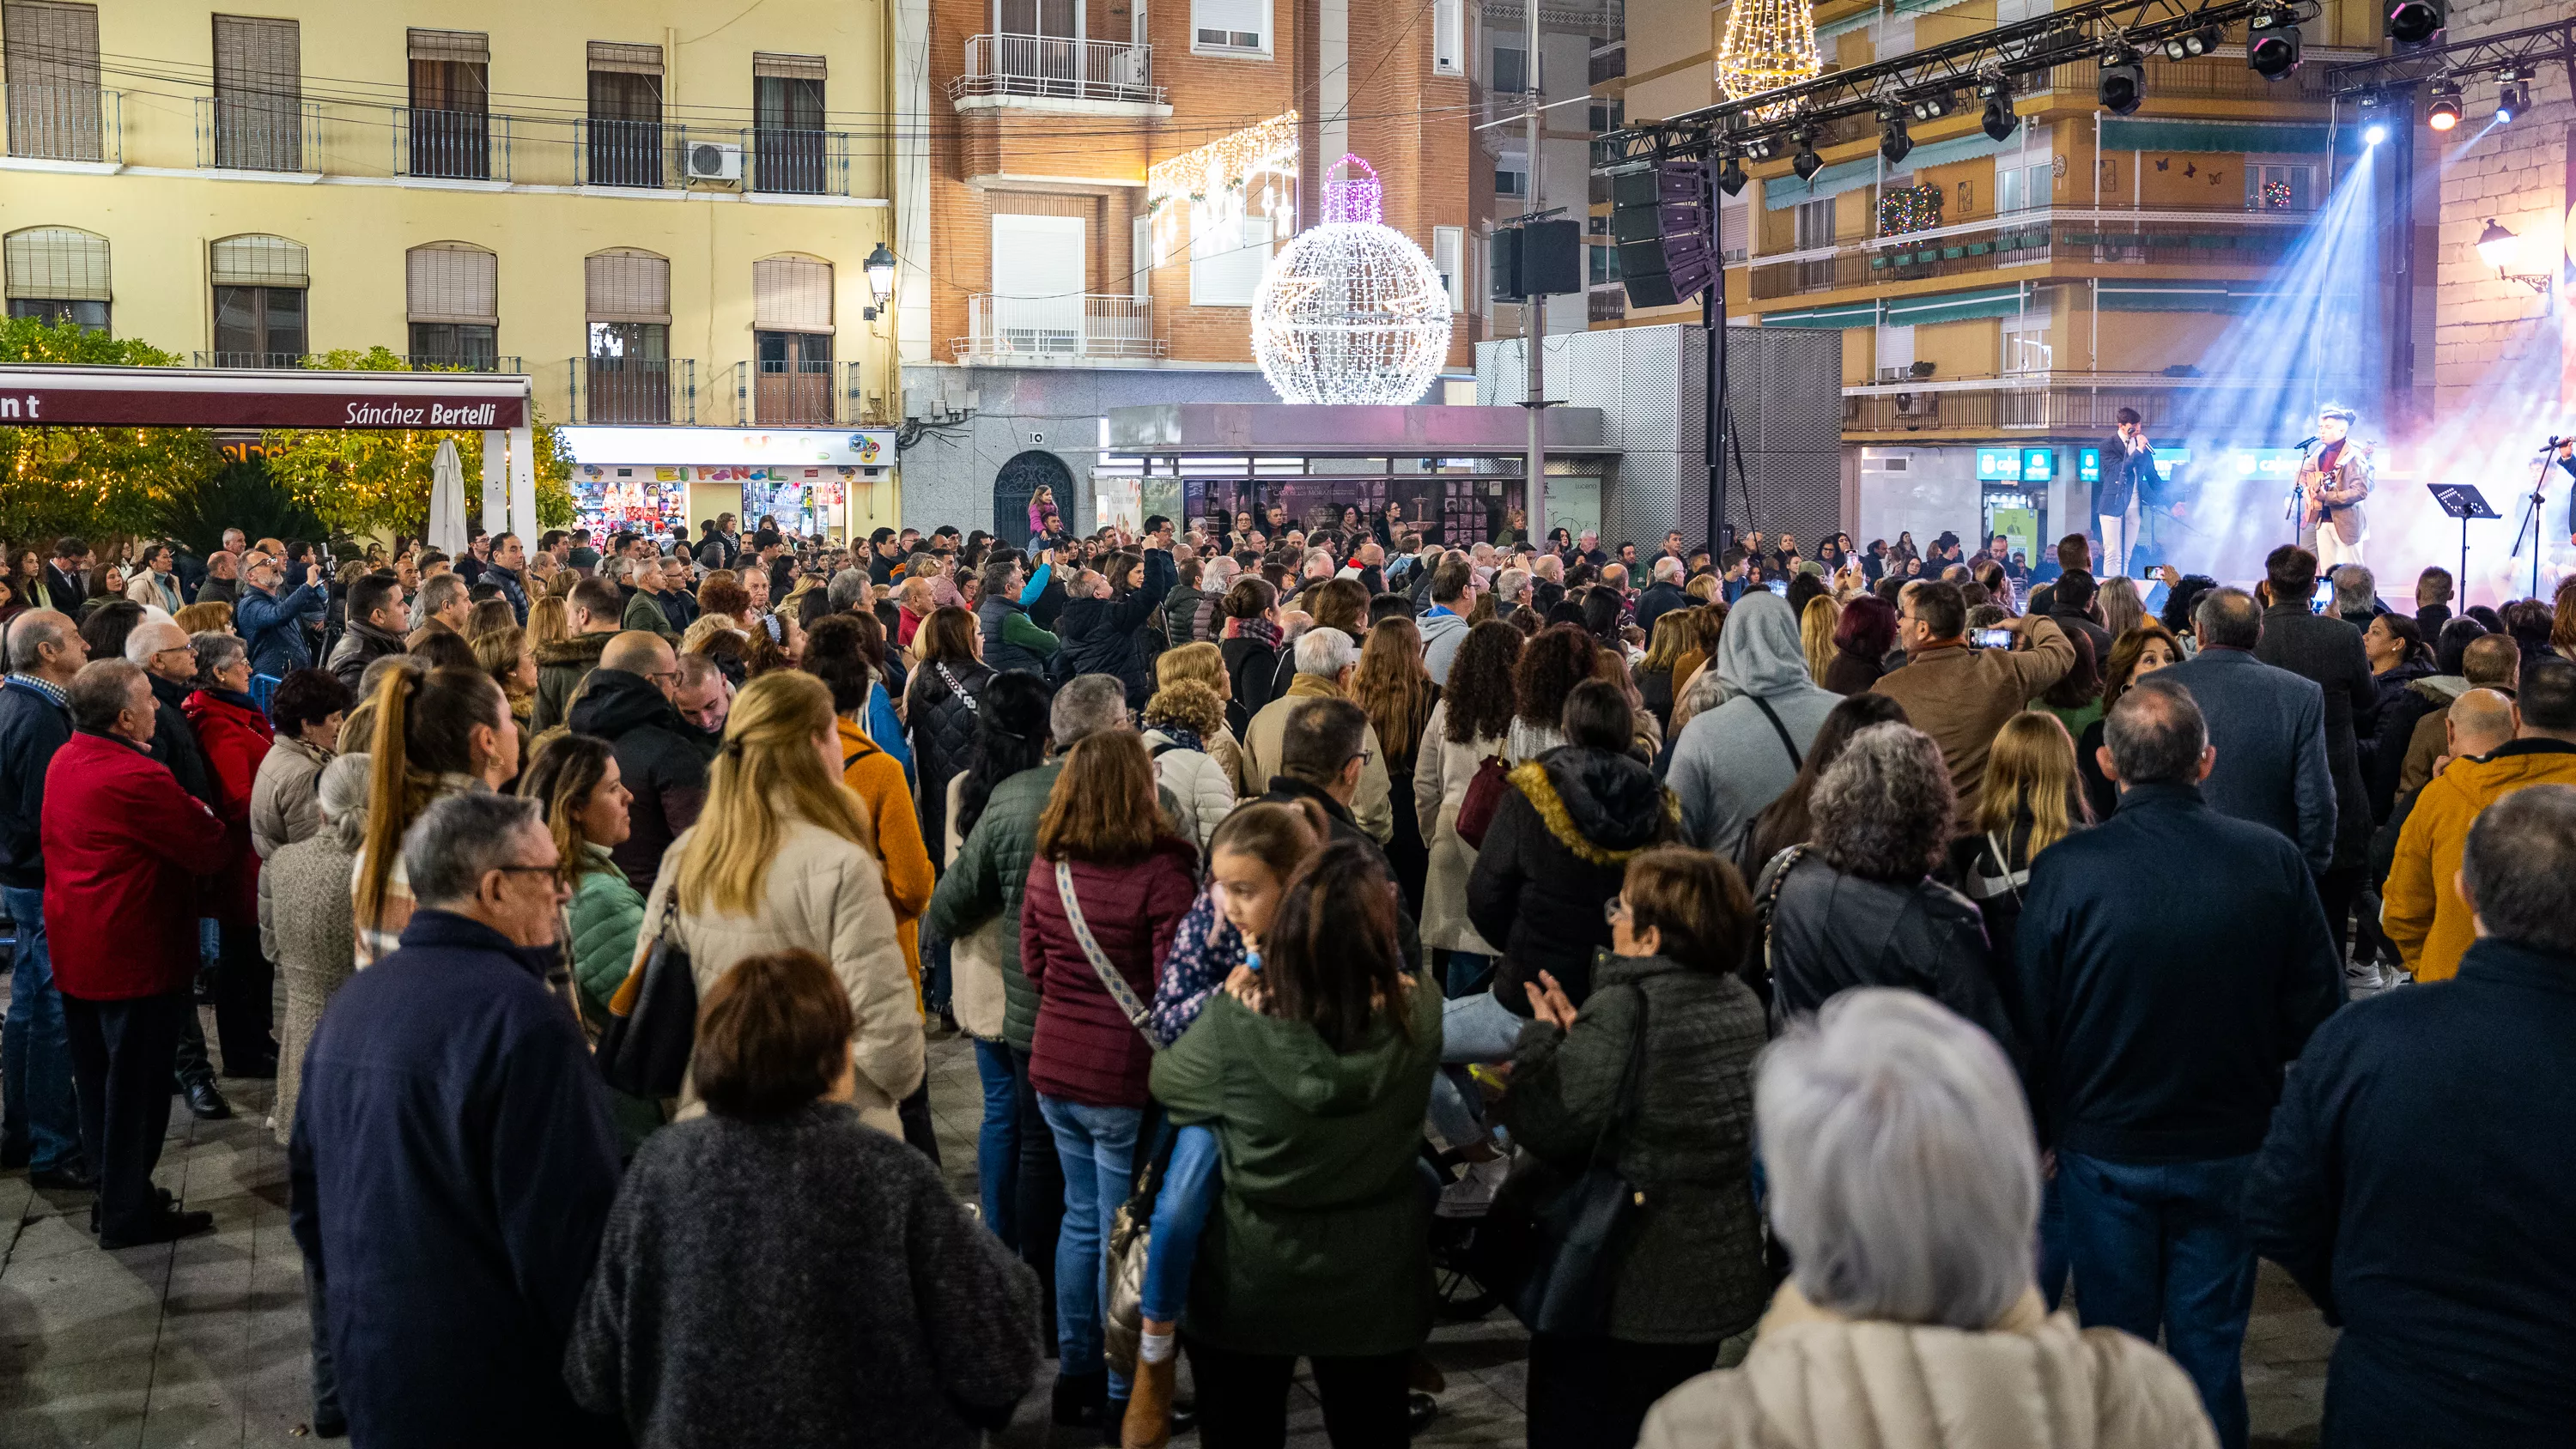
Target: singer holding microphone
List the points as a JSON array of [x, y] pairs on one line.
[[2128, 471], [2332, 486]]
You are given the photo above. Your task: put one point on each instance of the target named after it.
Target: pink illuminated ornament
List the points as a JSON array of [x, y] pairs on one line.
[[1351, 311]]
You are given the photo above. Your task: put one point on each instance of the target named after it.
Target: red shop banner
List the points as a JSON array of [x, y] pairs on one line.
[[254, 398]]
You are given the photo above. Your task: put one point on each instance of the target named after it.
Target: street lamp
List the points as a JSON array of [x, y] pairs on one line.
[[880, 269], [2498, 247]]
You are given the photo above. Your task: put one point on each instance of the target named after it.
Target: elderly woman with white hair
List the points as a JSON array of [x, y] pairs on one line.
[[1904, 1178], [1858, 905], [306, 924]]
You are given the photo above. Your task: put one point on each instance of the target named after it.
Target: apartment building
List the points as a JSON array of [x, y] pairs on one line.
[[1104, 185], [665, 221], [1999, 301], [1581, 55]]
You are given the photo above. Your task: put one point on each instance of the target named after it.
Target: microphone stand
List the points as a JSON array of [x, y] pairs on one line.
[[2531, 513], [2295, 504]]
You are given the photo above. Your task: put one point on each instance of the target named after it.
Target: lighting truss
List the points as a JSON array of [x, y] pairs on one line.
[[2025, 48], [2510, 54]]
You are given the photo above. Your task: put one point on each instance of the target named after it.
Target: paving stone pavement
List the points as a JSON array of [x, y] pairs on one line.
[[203, 1343]]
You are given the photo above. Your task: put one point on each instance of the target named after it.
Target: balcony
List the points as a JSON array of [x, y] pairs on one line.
[[64, 123], [259, 132], [1042, 70], [632, 390], [415, 362], [621, 153], [2166, 236], [793, 394], [2016, 402], [1057, 331], [451, 145]]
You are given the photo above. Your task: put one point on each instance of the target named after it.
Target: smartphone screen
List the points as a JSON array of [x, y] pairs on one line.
[[2323, 600], [1778, 586], [1994, 638]]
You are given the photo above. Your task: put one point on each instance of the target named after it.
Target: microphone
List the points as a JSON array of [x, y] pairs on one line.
[[2307, 442]]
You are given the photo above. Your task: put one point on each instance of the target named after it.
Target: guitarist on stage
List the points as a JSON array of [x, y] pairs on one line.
[[2332, 486]]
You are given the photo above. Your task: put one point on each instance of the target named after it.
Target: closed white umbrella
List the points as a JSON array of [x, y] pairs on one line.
[[447, 500]]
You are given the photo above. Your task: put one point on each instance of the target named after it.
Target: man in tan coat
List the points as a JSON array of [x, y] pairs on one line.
[[1326, 660], [1962, 696]]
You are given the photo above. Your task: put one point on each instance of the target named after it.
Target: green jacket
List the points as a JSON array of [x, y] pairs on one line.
[[560, 670], [1322, 1245], [644, 611], [606, 917], [985, 881]]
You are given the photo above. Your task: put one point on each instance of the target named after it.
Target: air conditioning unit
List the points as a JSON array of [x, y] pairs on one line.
[[712, 161]]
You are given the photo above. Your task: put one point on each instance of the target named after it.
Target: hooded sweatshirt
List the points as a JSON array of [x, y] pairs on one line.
[[1731, 761], [1323, 1246], [1443, 630]]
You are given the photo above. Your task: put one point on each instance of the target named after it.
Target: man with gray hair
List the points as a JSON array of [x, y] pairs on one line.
[[1089, 704], [1511, 592], [39, 1123], [1662, 596], [2172, 962], [2449, 1109], [443, 602], [171, 665], [452, 1149], [2269, 726], [2356, 595], [1327, 660]]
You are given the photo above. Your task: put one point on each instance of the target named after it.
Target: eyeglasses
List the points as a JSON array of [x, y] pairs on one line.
[[553, 873], [1615, 909]]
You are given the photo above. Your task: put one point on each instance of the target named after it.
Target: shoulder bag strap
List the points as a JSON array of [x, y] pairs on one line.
[[1796, 760], [960, 690], [1623, 1108], [1110, 981], [1766, 899]]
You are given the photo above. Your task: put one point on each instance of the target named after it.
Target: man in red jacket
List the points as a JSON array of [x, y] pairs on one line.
[[120, 907]]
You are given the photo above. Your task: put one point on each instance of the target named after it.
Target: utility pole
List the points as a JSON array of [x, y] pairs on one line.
[[1534, 471]]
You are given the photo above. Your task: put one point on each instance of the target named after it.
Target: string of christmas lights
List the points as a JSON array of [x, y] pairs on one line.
[[1906, 209], [1768, 44]]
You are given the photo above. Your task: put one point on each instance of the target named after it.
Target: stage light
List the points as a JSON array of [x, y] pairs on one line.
[[1730, 177], [1762, 148], [1931, 107], [2512, 101], [2123, 87], [2001, 121], [2414, 22], [2444, 113], [1806, 163], [2272, 43], [1893, 142], [2194, 44], [2373, 134]]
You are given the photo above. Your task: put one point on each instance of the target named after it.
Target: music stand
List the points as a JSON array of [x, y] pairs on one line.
[[2463, 501]]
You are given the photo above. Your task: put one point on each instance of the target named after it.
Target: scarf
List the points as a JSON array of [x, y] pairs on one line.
[[1181, 736], [1259, 631]]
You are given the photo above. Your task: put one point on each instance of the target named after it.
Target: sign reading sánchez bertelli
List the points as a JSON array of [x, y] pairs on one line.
[[258, 398]]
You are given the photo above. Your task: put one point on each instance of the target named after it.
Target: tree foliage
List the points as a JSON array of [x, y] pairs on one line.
[[366, 482], [98, 483], [242, 494]]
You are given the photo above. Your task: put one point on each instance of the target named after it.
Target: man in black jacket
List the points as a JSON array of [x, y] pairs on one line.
[[2416, 1180], [661, 757], [378, 621], [2328, 651], [41, 1128], [2172, 962], [1660, 597]]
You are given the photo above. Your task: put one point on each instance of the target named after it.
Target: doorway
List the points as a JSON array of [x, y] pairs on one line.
[[1018, 481]]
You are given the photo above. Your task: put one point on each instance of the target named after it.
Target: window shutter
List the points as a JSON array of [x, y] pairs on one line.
[[259, 57], [1448, 37], [56, 262], [467, 47], [791, 294], [51, 44], [1730, 228], [260, 261], [608, 55], [446, 282], [1448, 251], [787, 67], [628, 286], [1227, 266], [1234, 24]]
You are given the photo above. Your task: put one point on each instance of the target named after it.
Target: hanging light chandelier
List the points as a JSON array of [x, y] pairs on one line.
[[1769, 44]]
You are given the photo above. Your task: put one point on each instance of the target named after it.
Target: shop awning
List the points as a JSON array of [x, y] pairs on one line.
[[1953, 306], [180, 397], [1782, 192], [2131, 134], [2160, 296], [1849, 314]]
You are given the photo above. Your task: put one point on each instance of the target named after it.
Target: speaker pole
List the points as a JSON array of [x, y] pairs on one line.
[[1712, 315], [1534, 468]]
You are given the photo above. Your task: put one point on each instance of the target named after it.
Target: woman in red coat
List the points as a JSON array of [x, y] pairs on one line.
[[1131, 883], [234, 735]]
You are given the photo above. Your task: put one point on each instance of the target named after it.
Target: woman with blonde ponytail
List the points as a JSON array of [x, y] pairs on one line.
[[435, 734], [781, 860]]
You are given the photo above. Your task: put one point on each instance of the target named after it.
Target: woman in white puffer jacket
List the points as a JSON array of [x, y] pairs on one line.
[[1181, 717], [1903, 1175]]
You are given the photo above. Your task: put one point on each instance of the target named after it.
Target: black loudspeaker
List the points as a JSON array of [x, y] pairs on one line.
[[1504, 258], [1659, 221], [1542, 258]]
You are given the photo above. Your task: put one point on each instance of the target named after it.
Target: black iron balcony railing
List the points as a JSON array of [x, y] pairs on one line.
[[650, 390]]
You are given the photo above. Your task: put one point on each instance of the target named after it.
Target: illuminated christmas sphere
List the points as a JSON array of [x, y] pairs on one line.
[[1351, 310]]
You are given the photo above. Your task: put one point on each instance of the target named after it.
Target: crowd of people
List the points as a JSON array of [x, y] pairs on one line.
[[1916, 940]]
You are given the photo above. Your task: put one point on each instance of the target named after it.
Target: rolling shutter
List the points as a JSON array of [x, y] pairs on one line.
[[260, 261], [51, 44], [465, 47], [786, 67], [628, 286], [619, 59], [58, 263], [791, 294], [445, 282]]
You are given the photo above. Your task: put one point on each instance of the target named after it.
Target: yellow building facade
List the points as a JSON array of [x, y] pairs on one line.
[[662, 214]]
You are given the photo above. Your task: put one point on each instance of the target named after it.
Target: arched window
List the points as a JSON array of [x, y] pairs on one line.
[[628, 297], [260, 284], [452, 295], [792, 340], [57, 274]]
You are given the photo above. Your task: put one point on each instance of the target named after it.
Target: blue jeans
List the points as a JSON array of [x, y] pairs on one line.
[[934, 973], [1098, 1148], [35, 1046], [997, 1144], [2162, 1246], [1472, 1029], [1189, 1193]]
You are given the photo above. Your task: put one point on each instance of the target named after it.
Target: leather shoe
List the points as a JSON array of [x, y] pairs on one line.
[[330, 1425], [73, 1176], [205, 1101], [169, 1227], [1419, 1411]]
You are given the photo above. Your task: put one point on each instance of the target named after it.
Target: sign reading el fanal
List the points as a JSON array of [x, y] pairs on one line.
[[128, 402]]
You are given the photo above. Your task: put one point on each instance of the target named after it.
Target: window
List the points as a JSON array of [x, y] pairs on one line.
[[1054, 19], [2026, 346], [1731, 217], [628, 300], [1141, 260], [52, 72], [56, 275], [1605, 264], [1448, 37], [260, 284], [1814, 221], [1510, 182], [1230, 25], [787, 115], [452, 296], [451, 102], [2279, 187], [1511, 71], [791, 340], [625, 142], [259, 94], [1448, 255], [1610, 117], [1040, 274], [1228, 261]]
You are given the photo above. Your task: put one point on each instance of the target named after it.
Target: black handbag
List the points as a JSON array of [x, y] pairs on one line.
[[1553, 1242], [653, 1018]]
